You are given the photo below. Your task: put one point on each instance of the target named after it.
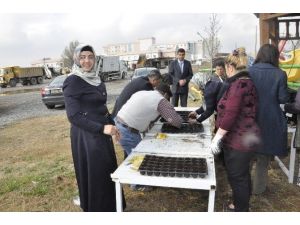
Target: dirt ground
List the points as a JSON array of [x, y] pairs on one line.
[[36, 174]]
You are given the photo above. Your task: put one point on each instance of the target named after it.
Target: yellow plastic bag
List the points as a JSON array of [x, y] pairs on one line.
[[136, 161], [161, 136]]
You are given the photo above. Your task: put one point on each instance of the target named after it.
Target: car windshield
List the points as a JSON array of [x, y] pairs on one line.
[[58, 81], [142, 73]]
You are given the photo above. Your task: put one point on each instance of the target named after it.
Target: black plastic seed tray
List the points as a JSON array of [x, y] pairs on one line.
[[183, 114], [185, 128], [173, 166]]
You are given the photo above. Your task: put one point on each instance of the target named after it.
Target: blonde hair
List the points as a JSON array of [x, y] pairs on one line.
[[238, 58]]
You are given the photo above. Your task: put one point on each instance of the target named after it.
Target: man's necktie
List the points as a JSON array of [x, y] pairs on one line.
[[181, 66]]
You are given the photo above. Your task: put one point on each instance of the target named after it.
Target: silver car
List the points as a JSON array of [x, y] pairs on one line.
[[52, 94], [142, 72]]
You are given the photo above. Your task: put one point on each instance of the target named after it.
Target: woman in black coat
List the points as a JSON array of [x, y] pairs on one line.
[[91, 133], [271, 85]]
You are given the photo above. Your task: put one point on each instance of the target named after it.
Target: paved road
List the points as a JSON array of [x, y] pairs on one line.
[[21, 102]]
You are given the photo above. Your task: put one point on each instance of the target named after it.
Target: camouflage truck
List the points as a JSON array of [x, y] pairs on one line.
[[24, 75]]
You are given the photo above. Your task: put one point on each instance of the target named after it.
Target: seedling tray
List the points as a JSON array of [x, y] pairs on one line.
[[188, 167], [183, 114], [185, 128]]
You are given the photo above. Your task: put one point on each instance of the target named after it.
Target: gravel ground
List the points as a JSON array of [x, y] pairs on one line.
[[21, 106], [23, 102]]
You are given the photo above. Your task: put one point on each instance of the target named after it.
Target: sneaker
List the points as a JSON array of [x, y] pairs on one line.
[[228, 207], [133, 187], [145, 188], [142, 188], [76, 201]]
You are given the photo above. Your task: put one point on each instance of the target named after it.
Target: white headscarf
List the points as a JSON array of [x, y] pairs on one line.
[[91, 77]]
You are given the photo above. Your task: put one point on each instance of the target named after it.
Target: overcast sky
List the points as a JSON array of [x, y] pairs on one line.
[[29, 36]]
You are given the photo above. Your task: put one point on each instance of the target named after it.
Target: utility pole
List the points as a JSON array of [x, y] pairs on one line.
[[44, 60]]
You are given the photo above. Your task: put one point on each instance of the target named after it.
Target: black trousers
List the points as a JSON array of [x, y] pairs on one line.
[[183, 99], [237, 165]]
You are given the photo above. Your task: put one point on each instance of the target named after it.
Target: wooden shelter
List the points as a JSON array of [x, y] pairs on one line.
[[275, 27]]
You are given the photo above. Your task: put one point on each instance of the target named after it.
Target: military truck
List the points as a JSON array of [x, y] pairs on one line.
[[24, 75]]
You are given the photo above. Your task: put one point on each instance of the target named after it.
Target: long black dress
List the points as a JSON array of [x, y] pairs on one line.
[[93, 152]]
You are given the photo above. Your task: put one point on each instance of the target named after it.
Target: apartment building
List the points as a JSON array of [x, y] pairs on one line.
[[130, 52]]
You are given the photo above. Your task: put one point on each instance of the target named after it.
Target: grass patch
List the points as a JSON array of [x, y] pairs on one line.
[[37, 174], [10, 184]]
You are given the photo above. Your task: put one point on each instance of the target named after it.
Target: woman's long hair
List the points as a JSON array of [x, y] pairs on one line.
[[268, 54]]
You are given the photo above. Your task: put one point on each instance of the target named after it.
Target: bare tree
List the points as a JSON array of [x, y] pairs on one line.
[[210, 40], [67, 55]]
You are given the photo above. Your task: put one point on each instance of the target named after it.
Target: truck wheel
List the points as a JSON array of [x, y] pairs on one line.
[[50, 106], [24, 82], [3, 85], [33, 81], [12, 82], [40, 80]]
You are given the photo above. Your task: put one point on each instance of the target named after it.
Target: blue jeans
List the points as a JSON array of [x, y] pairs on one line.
[[129, 140]]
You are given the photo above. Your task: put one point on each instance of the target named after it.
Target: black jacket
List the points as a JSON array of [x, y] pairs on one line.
[[138, 84], [293, 107], [212, 94]]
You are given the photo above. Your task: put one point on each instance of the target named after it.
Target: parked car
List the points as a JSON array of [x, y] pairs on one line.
[[52, 94], [142, 72]]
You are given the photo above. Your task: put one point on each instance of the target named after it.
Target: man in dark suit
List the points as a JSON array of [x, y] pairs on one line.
[[181, 73]]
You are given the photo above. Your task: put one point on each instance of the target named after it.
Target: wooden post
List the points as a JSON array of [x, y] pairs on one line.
[[272, 31], [264, 29]]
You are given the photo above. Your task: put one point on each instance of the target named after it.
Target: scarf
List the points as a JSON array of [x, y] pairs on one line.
[[90, 77]]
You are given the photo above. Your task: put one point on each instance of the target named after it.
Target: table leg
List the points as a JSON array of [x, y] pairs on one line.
[[211, 200], [289, 172], [292, 157], [282, 166], [298, 178], [119, 202]]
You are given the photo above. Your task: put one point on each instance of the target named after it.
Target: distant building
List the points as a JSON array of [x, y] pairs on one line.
[[140, 46], [51, 63], [130, 52]]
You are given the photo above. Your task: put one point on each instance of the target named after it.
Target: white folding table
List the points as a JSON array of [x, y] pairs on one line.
[[174, 145]]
